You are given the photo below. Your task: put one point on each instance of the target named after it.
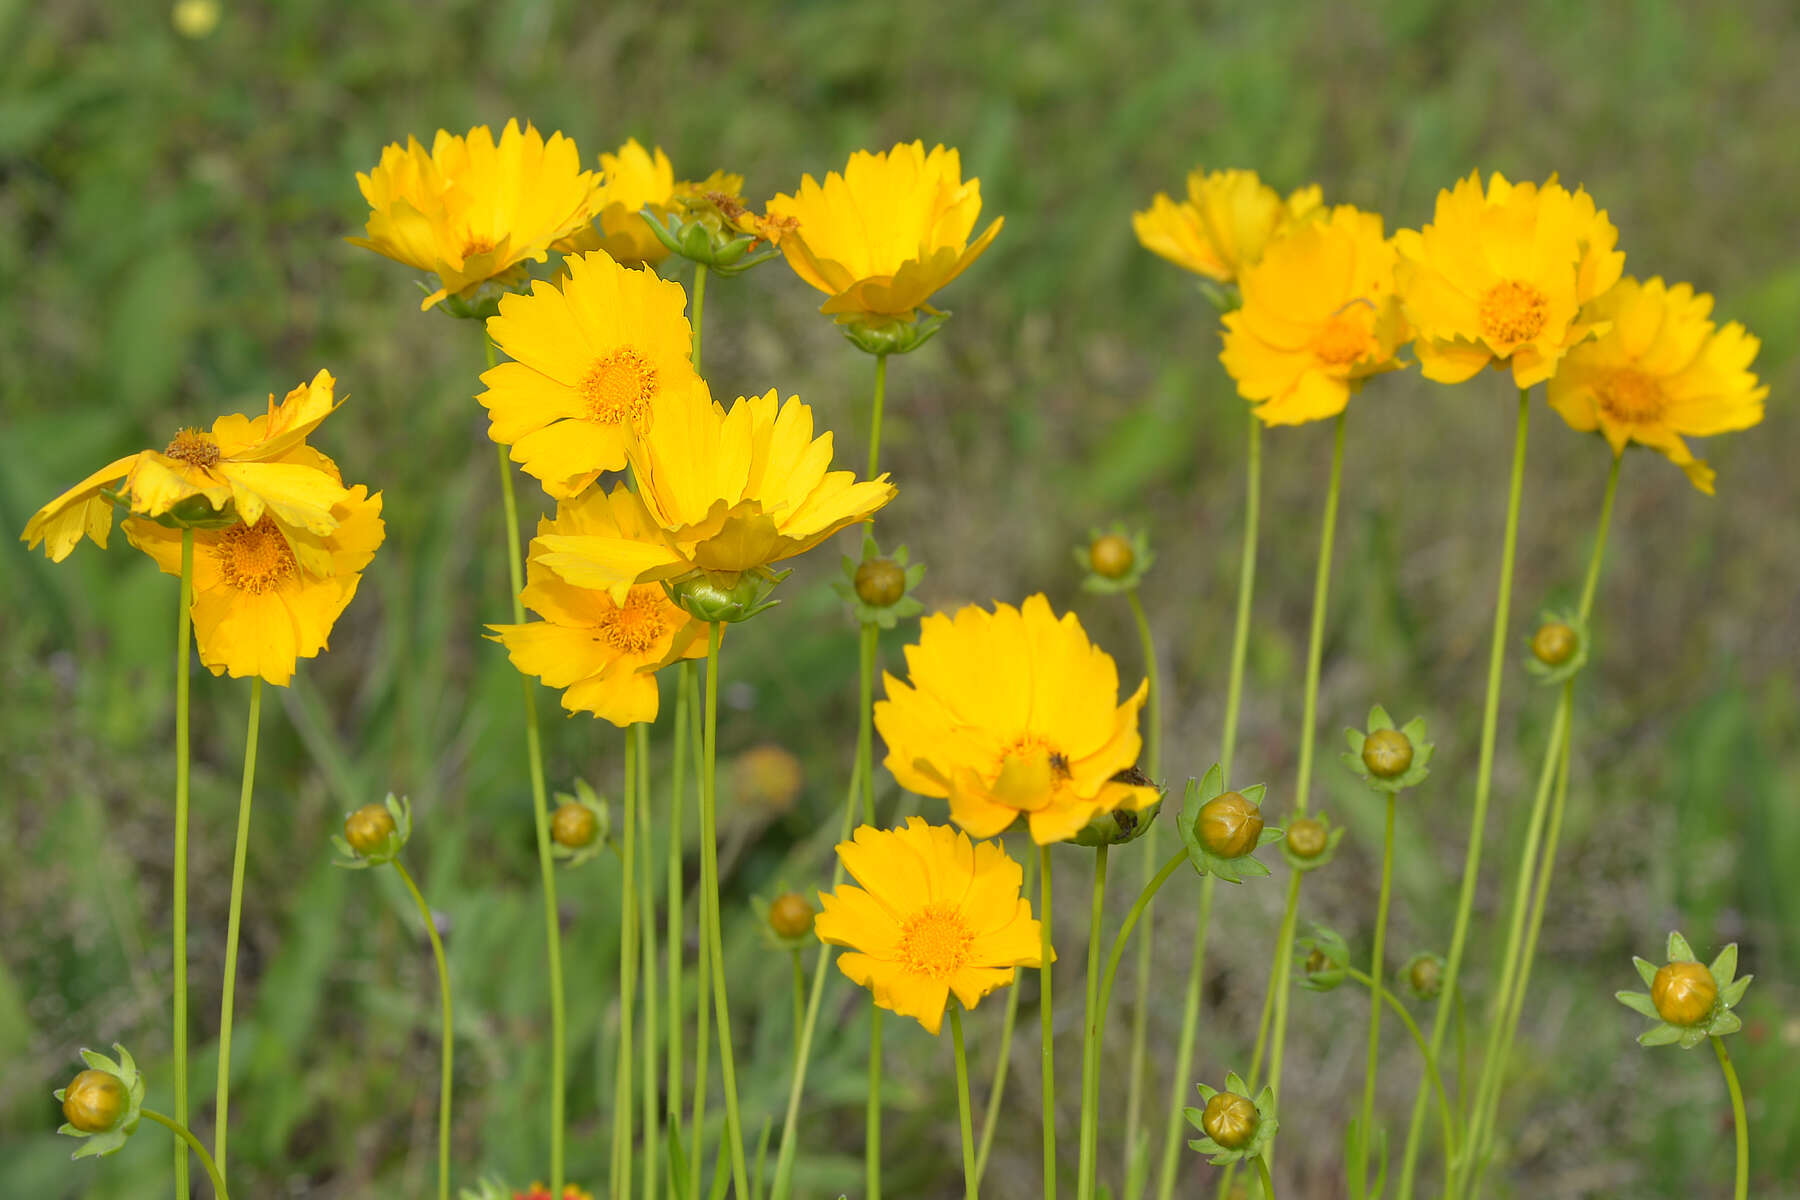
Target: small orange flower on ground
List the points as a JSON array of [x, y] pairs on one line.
[[591, 361], [1663, 370], [473, 209], [1011, 712], [1223, 226], [633, 179], [887, 233], [258, 467], [1319, 317], [538, 1191], [1500, 278], [936, 914], [257, 608], [604, 652]]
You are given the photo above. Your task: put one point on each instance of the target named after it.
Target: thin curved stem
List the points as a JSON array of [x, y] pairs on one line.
[[228, 988], [1136, 1163], [1184, 1052], [1375, 971], [1432, 1074], [1047, 1020], [647, 953], [971, 1176], [709, 849], [1139, 909], [448, 1036], [991, 1121], [1262, 1169], [698, 308], [677, 928], [1739, 1122], [1090, 1043], [183, 1135], [875, 422], [1484, 778], [183, 642]]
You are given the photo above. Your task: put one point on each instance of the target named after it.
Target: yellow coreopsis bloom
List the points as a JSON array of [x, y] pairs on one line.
[[936, 914], [1319, 316], [257, 608], [879, 239], [1500, 277], [633, 179], [592, 360], [473, 209], [1661, 372], [731, 493], [1013, 712], [603, 652], [1225, 223], [257, 467]]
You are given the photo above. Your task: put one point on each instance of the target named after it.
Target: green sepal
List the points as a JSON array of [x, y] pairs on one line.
[[1544, 672], [885, 616], [1142, 559], [1331, 944], [882, 335], [1729, 996], [1224, 297], [125, 1070], [1332, 837], [1646, 970], [1204, 861], [1660, 1035], [727, 597], [1724, 967], [1413, 731], [399, 808], [1679, 950], [1639, 1002], [1119, 826], [197, 512], [594, 802]]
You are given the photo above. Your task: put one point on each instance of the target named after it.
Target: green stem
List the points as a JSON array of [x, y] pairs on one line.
[[991, 1121], [1140, 908], [1090, 1044], [709, 860], [448, 1036], [1135, 1160], [1739, 1122], [622, 1072], [1153, 701], [183, 1135], [233, 923], [653, 1149], [1047, 1021], [1262, 1169], [677, 929], [1179, 1082], [799, 1004], [872, 1110], [971, 1176], [1432, 1074], [1484, 777], [703, 978], [875, 423], [540, 812], [1375, 972], [698, 306], [867, 646], [183, 642]]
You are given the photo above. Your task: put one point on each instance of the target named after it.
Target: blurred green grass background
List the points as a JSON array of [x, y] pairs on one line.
[[171, 220]]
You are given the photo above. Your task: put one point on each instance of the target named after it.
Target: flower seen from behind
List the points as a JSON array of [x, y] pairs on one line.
[[1661, 372], [633, 179], [1225, 223], [935, 914], [1013, 712]]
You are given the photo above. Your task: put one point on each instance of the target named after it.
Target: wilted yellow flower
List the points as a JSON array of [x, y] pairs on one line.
[[258, 467], [591, 361], [887, 233], [1224, 224], [1663, 370], [1012, 712], [633, 179], [1319, 316], [471, 210], [1501, 277], [730, 492], [257, 607], [935, 914], [603, 651], [768, 777]]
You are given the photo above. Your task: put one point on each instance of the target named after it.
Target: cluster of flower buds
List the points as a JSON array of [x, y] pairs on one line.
[[1235, 1126], [1222, 828], [374, 834], [879, 587], [1389, 759]]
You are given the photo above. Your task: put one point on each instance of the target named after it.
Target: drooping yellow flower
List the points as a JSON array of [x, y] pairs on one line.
[[1011, 712], [592, 360], [1224, 224], [633, 179], [259, 467], [879, 239], [604, 652], [935, 915], [1500, 277], [257, 609], [730, 492], [1319, 316], [1662, 371], [473, 209]]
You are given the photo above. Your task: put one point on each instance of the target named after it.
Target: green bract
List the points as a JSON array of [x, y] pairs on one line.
[[1413, 731], [1121, 825], [1718, 1022], [884, 616], [401, 810], [1558, 672], [1260, 1140], [126, 1072], [1231, 870], [1334, 967], [595, 803], [883, 335], [1422, 975], [698, 234], [1141, 559], [1297, 860], [714, 599]]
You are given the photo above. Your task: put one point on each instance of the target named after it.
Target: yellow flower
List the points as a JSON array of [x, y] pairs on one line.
[[887, 233], [1663, 370], [1011, 712], [731, 493], [592, 360], [634, 179], [259, 467], [1224, 224], [936, 914], [603, 652], [471, 210], [1319, 316], [257, 608], [1501, 278]]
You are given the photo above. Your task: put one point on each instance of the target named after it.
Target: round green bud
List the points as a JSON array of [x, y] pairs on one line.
[[1307, 837], [1230, 1120], [1111, 556], [368, 828], [573, 825], [1387, 753], [1229, 826], [94, 1101], [790, 916], [1425, 976], [1554, 643], [1684, 993], [707, 599], [880, 582]]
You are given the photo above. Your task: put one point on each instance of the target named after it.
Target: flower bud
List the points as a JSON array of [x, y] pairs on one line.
[[1230, 1120], [880, 582], [94, 1101], [1307, 837], [790, 916], [574, 825], [726, 597], [1554, 643], [1387, 753], [1684, 993], [368, 829], [1229, 826], [768, 778], [1111, 556], [1424, 975]]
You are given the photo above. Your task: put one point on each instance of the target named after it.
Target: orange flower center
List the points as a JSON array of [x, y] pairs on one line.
[[1341, 341], [1513, 312], [935, 942], [635, 627], [1630, 395], [1031, 746], [618, 388], [194, 448], [254, 558], [474, 246]]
